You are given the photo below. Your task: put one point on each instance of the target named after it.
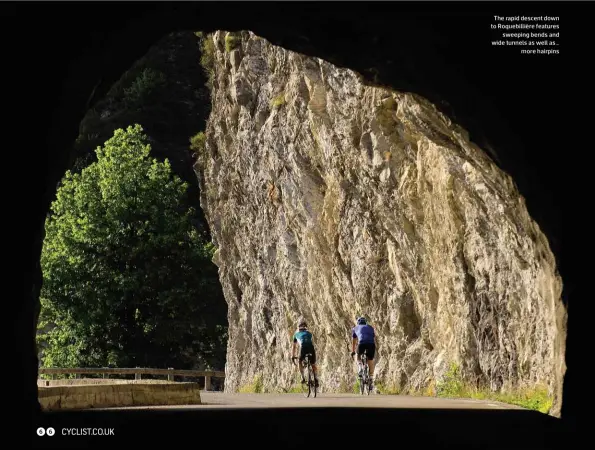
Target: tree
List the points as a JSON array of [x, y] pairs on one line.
[[127, 279]]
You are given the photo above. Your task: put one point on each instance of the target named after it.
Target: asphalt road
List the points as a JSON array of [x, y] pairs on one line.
[[234, 401], [292, 420]]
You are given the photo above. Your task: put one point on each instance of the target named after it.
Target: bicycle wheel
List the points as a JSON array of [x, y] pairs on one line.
[[364, 378], [303, 388], [366, 375], [367, 383], [314, 388], [309, 378]]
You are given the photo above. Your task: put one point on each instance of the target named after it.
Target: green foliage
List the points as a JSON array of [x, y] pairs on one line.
[[207, 57], [165, 92], [453, 386], [357, 386], [256, 387], [279, 100], [536, 399], [232, 41], [127, 280], [295, 388], [145, 83], [387, 389], [198, 142]]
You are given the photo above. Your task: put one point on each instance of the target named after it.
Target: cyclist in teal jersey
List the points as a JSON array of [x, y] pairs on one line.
[[303, 338]]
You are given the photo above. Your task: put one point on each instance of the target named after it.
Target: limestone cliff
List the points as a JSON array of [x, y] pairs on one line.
[[329, 199]]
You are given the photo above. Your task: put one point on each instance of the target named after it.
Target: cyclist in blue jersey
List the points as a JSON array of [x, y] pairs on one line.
[[303, 338], [364, 337]]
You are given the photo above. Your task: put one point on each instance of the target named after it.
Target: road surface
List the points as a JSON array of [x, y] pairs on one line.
[[220, 400], [291, 420]]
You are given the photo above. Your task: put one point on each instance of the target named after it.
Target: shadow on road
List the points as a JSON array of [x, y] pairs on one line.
[[310, 427]]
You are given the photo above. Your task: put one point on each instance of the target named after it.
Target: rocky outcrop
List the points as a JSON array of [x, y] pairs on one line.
[[328, 199]]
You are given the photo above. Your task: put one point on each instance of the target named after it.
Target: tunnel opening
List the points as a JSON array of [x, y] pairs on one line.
[[127, 257], [168, 92], [294, 36]]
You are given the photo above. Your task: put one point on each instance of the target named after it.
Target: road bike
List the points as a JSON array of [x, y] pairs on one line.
[[309, 386], [365, 384]]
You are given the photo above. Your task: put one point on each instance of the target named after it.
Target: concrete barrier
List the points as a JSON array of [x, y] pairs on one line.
[[86, 381], [117, 395]]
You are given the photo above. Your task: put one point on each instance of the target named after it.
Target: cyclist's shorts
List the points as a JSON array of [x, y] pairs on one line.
[[308, 348], [370, 350]]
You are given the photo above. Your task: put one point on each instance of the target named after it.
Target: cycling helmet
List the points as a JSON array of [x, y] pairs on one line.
[[361, 321]]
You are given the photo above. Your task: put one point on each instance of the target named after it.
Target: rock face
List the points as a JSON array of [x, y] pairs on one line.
[[329, 199]]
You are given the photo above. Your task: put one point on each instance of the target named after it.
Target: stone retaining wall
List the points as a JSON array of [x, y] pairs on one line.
[[118, 395], [84, 381]]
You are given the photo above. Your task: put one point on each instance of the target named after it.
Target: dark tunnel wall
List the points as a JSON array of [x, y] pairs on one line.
[[514, 105]]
